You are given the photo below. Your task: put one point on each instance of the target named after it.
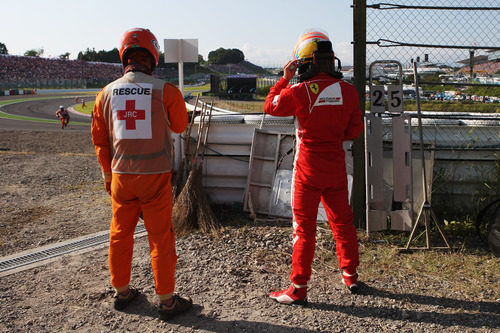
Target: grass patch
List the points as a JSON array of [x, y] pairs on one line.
[[450, 106], [205, 87], [16, 117], [19, 100], [76, 187], [241, 106], [89, 106], [41, 120], [469, 270], [463, 272], [453, 107]]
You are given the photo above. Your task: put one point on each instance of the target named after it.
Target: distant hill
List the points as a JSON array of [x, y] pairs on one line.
[[196, 72], [243, 67]]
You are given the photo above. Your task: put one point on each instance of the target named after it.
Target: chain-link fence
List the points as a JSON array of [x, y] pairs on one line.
[[454, 46], [453, 41]]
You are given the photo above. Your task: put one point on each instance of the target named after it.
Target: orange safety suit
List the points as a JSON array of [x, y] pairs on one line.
[[63, 115], [131, 129]]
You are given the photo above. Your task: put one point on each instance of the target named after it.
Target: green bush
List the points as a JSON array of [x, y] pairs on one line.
[[263, 91]]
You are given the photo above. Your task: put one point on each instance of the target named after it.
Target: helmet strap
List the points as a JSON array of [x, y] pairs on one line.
[[322, 62]]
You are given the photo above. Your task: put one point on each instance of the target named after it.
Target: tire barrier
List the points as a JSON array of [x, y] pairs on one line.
[[12, 92]]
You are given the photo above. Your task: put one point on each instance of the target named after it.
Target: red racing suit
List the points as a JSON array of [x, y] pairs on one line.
[[327, 113]]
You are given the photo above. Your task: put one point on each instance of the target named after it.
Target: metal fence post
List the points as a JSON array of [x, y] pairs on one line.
[[359, 36]]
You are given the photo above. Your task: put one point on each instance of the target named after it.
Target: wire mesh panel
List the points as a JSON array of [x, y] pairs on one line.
[[456, 46]]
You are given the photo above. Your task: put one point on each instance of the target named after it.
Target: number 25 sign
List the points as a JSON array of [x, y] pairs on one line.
[[394, 99]]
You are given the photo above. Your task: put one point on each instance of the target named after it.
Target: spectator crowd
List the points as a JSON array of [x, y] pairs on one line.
[[30, 71], [13, 68]]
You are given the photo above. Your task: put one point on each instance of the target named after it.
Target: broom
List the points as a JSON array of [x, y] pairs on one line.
[[179, 176], [192, 208], [184, 210], [207, 222]]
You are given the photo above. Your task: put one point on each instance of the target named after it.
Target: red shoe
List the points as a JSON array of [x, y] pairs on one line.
[[351, 281], [292, 295]]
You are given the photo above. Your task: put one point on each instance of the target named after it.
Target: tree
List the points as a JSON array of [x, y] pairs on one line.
[[223, 56], [31, 53], [3, 49], [64, 56], [88, 55], [34, 53], [112, 56]]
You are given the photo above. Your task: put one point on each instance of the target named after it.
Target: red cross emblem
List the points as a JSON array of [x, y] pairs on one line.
[[130, 114]]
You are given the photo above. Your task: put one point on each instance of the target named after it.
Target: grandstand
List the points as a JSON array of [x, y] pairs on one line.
[[18, 72]]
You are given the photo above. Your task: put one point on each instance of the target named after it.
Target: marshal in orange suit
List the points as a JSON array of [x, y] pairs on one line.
[[132, 121]]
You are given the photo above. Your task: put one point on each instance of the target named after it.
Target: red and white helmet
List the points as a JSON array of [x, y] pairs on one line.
[[308, 43], [139, 38]]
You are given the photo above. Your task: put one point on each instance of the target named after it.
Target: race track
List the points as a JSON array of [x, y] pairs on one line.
[[42, 110]]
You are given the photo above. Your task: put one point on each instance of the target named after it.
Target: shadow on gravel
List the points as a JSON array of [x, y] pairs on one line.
[[140, 306], [450, 312], [196, 320], [214, 325]]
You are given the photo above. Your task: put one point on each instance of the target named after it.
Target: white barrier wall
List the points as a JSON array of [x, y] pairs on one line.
[[230, 138], [229, 143], [226, 158]]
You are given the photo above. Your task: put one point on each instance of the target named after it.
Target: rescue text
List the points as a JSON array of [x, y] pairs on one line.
[[131, 91]]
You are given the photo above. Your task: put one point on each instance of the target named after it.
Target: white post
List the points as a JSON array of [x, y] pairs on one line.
[[181, 66], [181, 77], [181, 51]]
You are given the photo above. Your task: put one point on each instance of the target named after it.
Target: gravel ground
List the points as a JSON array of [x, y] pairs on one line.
[[51, 190]]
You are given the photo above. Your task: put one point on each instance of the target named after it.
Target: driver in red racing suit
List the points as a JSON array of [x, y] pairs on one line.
[[327, 113]]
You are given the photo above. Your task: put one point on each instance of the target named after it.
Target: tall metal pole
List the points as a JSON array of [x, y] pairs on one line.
[[359, 36], [422, 156], [426, 209], [420, 132]]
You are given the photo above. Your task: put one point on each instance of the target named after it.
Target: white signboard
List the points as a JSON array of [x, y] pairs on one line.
[[181, 50]]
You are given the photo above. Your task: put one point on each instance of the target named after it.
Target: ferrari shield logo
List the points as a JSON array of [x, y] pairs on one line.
[[314, 87]]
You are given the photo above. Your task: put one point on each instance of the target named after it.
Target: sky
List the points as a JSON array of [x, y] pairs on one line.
[[266, 31]]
